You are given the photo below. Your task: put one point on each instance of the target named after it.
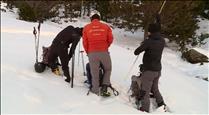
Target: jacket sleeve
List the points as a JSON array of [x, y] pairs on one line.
[[73, 47], [158, 21], [85, 40], [109, 36], [141, 48]]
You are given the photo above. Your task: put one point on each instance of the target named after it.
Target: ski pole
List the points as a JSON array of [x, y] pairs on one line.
[[79, 53], [73, 60], [162, 7], [84, 72], [34, 33], [39, 25], [131, 67]]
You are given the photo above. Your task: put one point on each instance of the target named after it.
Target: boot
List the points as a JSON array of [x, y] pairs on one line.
[[56, 71], [68, 80], [161, 104], [104, 91]]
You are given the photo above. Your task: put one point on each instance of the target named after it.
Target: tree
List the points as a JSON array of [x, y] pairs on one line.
[[35, 10]]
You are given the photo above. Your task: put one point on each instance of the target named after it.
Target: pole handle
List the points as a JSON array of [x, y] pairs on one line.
[[39, 26], [34, 31]]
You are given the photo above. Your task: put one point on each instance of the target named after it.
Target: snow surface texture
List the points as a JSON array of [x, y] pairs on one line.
[[25, 91]]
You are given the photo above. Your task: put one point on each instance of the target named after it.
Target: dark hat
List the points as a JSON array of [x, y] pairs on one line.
[[153, 28], [95, 16]]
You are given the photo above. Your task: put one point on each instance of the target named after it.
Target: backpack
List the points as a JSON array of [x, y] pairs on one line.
[[135, 87], [45, 55]]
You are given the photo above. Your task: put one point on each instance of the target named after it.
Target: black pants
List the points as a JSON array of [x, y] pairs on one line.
[[60, 51]]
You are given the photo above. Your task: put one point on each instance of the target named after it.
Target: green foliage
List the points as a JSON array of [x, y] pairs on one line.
[[204, 9], [179, 22], [34, 10], [26, 13], [199, 40]]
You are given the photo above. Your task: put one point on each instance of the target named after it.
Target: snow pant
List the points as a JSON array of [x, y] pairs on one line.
[[149, 83], [89, 76], [57, 50], [95, 58]]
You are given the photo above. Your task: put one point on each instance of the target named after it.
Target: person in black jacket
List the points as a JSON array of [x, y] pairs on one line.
[[153, 48], [59, 48]]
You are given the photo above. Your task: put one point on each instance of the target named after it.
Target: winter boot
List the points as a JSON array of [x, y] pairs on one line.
[[161, 104], [104, 91], [67, 80], [56, 71], [162, 107]]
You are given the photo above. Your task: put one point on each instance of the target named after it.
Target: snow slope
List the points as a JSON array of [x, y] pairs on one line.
[[25, 91]]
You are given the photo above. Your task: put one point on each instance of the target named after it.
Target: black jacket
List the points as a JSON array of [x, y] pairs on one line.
[[66, 37], [153, 47]]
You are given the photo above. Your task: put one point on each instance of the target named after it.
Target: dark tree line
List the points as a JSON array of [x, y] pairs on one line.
[[179, 18]]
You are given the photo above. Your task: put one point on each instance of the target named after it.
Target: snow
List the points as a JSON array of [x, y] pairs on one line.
[[23, 91]]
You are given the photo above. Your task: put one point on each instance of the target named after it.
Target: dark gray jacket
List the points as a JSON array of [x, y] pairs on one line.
[[67, 36], [153, 47]]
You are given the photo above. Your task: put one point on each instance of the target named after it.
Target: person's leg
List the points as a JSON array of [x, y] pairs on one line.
[[107, 65], [63, 54], [156, 92], [52, 57], [94, 65], [89, 77], [146, 85], [101, 76]]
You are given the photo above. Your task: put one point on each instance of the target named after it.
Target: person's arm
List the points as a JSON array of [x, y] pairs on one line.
[[141, 48], [109, 36], [73, 47], [158, 20], [85, 41]]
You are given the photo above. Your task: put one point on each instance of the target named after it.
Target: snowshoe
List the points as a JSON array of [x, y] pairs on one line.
[[104, 92]]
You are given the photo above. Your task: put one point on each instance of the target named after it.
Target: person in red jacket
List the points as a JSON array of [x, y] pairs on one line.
[[97, 38]]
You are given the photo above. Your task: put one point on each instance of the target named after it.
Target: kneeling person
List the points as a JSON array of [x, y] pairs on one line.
[[89, 76], [89, 80], [59, 48]]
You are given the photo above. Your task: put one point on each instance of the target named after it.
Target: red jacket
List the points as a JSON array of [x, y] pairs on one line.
[[97, 37]]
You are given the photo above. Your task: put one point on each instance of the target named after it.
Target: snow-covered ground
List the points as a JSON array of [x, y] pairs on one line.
[[25, 91]]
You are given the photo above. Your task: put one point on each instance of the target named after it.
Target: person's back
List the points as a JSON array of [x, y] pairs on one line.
[[153, 52], [97, 38], [66, 36]]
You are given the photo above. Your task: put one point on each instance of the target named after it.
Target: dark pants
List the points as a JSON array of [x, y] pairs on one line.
[[60, 51], [89, 76], [95, 59], [149, 83]]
